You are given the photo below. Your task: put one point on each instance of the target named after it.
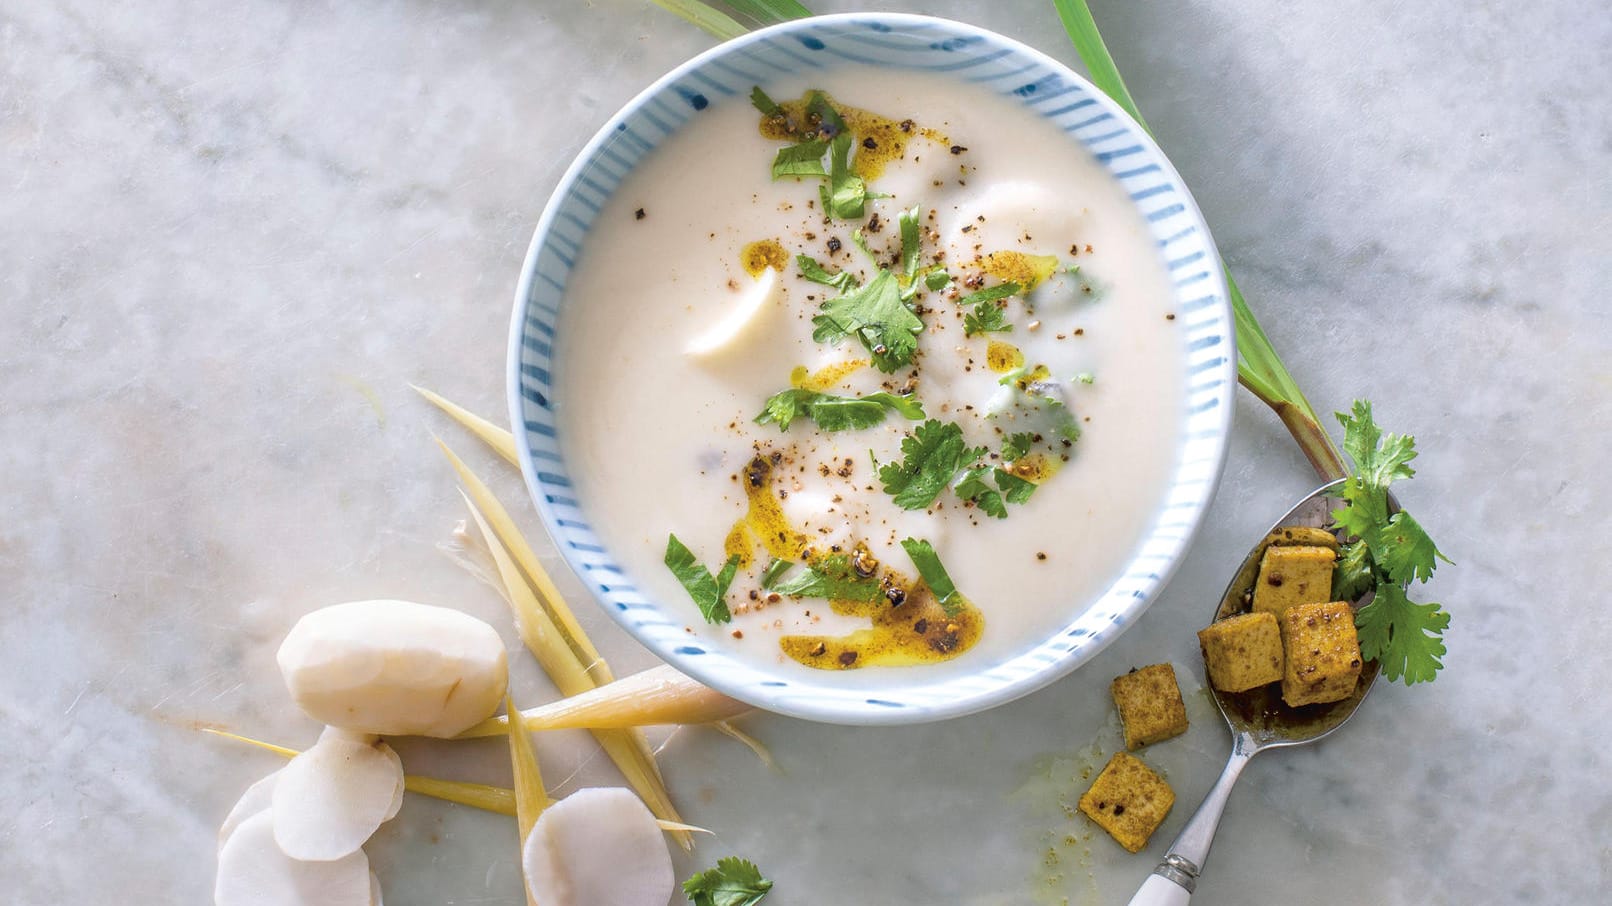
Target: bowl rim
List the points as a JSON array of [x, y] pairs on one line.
[[832, 709]]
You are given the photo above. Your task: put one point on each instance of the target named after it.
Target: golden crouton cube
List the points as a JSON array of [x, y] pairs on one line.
[[1323, 653], [1293, 575], [1242, 652], [1150, 706], [1303, 536], [1128, 800]]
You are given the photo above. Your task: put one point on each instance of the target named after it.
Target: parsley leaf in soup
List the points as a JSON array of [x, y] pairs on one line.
[[824, 118], [877, 317], [835, 413], [934, 575], [733, 882], [709, 592], [815, 272], [930, 457], [990, 294], [832, 577]]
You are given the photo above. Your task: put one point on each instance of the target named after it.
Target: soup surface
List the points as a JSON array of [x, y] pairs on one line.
[[981, 363]]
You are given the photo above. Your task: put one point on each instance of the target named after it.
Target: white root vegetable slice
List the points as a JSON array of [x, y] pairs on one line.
[[258, 797], [402, 782], [253, 871], [331, 798], [395, 668], [597, 846], [745, 314]]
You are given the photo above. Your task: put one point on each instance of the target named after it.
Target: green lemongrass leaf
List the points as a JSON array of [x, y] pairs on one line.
[[770, 12], [717, 23], [1259, 368], [934, 575]]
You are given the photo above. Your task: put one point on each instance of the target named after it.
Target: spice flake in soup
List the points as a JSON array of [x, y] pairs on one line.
[[876, 371]]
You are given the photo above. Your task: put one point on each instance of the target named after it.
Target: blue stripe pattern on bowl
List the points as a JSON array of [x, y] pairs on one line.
[[1018, 73]]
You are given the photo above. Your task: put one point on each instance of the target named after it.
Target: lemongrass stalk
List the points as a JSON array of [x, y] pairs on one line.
[[530, 797], [1259, 368], [502, 442], [627, 748], [496, 799], [536, 579], [717, 23], [659, 695], [750, 742]]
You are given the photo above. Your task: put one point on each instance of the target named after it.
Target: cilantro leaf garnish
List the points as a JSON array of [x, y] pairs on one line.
[[975, 489], [733, 882], [763, 103], [1388, 551], [831, 576], [987, 317], [815, 272], [709, 592], [934, 575], [1016, 489], [930, 457], [845, 193], [990, 294], [1405, 637], [822, 116], [835, 413], [876, 316], [804, 159], [1017, 445], [937, 280], [774, 569], [910, 244]]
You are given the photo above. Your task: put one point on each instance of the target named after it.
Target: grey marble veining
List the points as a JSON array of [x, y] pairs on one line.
[[231, 234]]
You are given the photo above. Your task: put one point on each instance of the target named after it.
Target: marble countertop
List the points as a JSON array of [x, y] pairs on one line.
[[232, 237]]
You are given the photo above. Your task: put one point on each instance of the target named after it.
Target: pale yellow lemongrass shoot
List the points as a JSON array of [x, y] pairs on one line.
[[659, 695]]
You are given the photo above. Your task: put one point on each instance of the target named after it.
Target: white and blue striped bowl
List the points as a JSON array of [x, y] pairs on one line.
[[1022, 76]]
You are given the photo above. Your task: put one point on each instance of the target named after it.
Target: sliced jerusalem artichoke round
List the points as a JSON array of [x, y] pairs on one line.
[[257, 798], [331, 798], [395, 668], [253, 871], [598, 846]]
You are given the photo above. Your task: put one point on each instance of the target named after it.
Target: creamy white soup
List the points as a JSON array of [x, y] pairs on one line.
[[978, 366]]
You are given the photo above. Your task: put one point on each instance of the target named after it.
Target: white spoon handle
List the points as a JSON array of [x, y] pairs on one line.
[[1172, 883], [1158, 890]]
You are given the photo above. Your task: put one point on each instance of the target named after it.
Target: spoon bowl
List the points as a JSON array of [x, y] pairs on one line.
[[1258, 719]]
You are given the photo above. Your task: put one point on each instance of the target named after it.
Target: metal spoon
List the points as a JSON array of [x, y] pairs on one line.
[[1258, 719]]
